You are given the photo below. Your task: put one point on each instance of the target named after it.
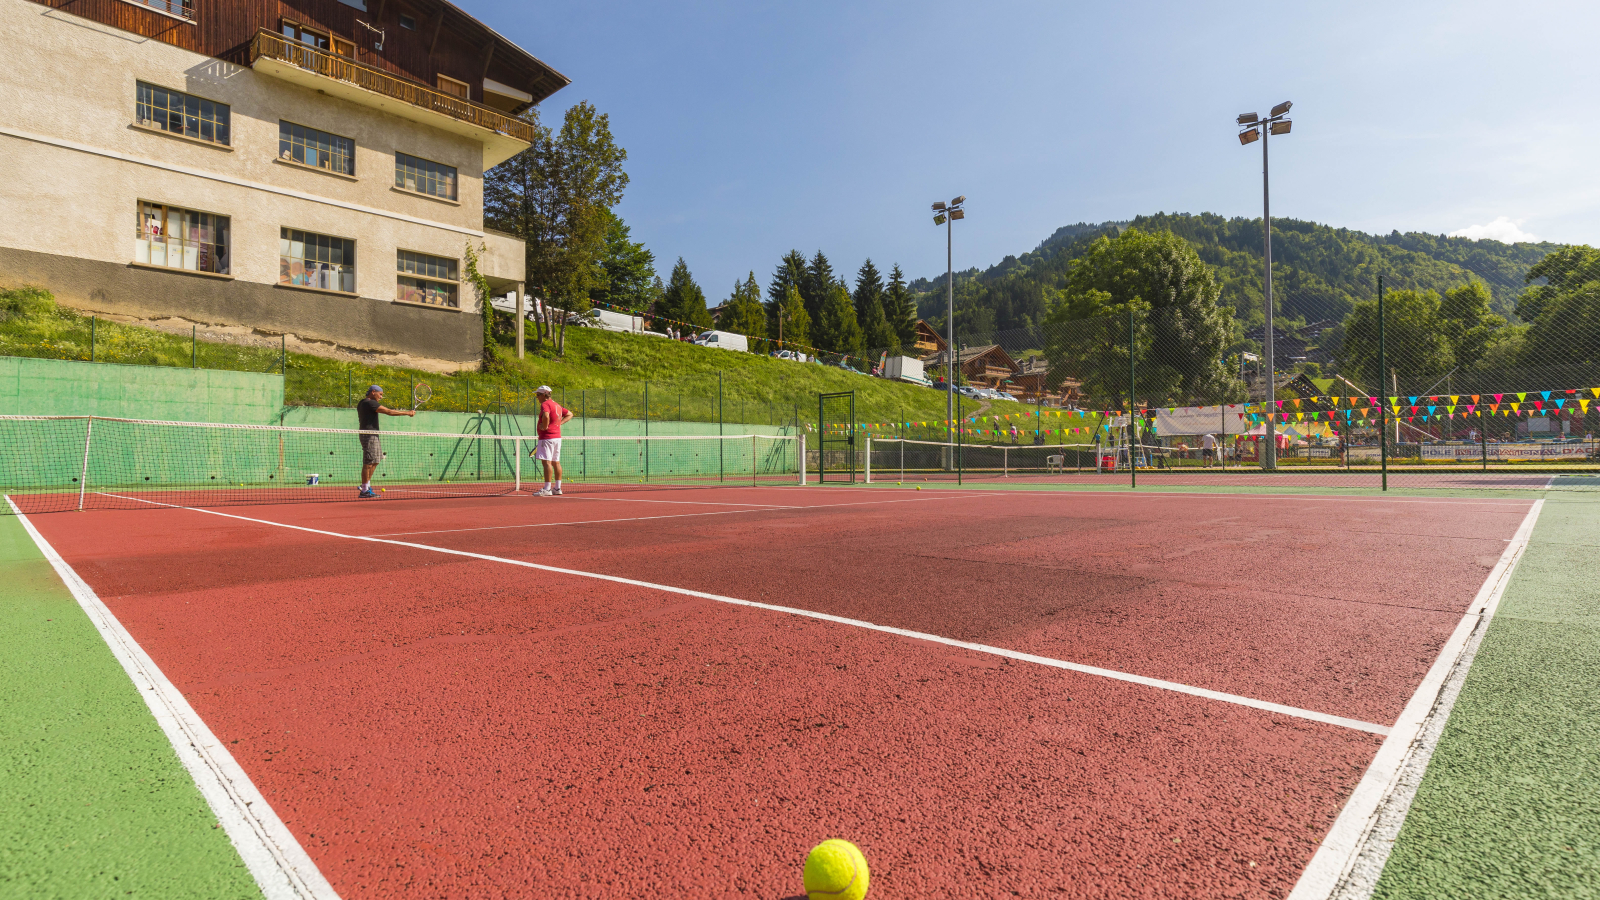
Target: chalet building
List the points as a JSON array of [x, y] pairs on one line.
[[1032, 383], [312, 167], [927, 340], [989, 366]]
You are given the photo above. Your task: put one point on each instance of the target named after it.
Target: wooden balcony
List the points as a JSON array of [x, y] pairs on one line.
[[503, 136]]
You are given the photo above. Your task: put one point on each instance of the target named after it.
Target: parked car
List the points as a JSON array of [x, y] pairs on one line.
[[794, 355]]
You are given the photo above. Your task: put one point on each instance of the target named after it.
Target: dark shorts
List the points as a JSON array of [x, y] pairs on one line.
[[371, 450]]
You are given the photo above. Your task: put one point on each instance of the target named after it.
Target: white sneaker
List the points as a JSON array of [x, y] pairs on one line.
[[546, 492], [558, 492]]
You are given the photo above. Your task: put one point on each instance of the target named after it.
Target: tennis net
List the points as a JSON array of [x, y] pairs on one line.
[[54, 463]]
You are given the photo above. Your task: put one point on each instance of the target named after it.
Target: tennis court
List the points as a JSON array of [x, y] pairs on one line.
[[680, 689]]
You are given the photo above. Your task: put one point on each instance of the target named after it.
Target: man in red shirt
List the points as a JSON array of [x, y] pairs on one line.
[[552, 416]]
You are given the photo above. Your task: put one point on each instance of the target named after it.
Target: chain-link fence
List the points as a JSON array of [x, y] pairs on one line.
[[1434, 377]]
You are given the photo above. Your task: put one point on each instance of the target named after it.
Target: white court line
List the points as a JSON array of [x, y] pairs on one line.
[[683, 502], [724, 512], [1251, 702], [1338, 852], [280, 866], [1236, 495]]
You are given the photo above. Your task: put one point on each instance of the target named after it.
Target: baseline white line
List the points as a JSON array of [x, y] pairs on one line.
[[1338, 853], [280, 866], [1251, 702], [937, 487]]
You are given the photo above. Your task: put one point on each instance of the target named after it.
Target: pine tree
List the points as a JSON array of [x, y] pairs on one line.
[[837, 328], [899, 309], [743, 313], [817, 285], [791, 273], [683, 304], [868, 300], [795, 321], [629, 269]]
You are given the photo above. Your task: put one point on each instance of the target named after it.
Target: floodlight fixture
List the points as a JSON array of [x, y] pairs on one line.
[[939, 205], [1281, 108], [939, 219], [959, 200], [1248, 118], [1249, 136], [956, 214], [1281, 126]]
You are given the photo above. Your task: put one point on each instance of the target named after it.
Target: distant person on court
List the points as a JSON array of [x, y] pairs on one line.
[[552, 416], [1209, 447], [371, 450]]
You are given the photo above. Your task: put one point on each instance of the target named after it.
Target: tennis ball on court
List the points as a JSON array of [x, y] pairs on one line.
[[919, 487], [836, 870]]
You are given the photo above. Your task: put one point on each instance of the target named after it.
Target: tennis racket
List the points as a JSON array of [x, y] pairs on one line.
[[420, 394]]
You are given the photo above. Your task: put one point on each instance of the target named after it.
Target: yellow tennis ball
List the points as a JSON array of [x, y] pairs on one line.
[[919, 487], [836, 870]]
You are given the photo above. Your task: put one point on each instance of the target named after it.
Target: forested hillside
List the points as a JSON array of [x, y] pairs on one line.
[[1319, 272]]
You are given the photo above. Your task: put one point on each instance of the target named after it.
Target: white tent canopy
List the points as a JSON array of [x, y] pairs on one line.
[[1201, 420]]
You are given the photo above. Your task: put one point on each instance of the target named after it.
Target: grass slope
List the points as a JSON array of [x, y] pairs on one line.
[[601, 373]]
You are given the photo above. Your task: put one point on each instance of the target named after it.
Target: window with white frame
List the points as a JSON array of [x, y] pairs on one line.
[[182, 114], [316, 261], [413, 173], [310, 147], [181, 239], [430, 280]]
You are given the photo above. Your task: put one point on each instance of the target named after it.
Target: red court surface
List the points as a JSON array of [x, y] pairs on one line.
[[433, 724]]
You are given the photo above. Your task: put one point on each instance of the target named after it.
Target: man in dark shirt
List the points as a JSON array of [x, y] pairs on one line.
[[367, 420]]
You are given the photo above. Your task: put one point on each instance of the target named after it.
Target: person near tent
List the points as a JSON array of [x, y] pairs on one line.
[[1209, 448]]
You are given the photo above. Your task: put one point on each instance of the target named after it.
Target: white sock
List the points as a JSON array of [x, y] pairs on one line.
[[558, 484], [367, 486], [547, 485]]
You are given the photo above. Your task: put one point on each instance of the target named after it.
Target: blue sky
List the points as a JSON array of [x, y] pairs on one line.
[[753, 128]]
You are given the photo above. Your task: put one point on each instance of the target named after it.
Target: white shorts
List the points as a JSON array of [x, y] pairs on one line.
[[548, 449]]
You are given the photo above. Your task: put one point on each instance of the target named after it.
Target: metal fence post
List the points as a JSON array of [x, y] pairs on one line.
[[83, 475], [194, 346], [91, 339], [1133, 467], [1383, 408]]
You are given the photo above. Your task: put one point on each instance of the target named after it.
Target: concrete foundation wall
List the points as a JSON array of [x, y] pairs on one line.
[[360, 323]]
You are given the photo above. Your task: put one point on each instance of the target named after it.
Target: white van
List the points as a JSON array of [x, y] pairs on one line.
[[615, 321], [727, 340]]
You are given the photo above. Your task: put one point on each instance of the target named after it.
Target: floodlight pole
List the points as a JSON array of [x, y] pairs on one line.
[[1269, 459], [950, 328]]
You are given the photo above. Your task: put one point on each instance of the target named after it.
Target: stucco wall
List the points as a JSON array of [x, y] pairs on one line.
[[80, 167]]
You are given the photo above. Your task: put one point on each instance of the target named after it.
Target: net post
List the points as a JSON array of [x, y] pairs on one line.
[[800, 451], [755, 450], [83, 474], [516, 467], [868, 467]]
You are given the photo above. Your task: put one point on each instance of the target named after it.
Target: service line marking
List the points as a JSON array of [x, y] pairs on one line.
[[943, 487], [280, 866], [1340, 850], [1176, 687], [755, 508]]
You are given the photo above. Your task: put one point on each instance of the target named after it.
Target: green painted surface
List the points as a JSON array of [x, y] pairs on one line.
[[1510, 805], [93, 800], [56, 387]]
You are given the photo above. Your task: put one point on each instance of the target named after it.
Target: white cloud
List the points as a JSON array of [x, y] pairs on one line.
[[1502, 229]]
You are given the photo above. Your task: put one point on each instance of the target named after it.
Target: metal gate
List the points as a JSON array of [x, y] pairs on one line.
[[836, 423]]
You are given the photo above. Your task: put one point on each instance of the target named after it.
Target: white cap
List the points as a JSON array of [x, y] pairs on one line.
[[543, 389]]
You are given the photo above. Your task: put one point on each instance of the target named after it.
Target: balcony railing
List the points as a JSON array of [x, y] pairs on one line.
[[269, 45], [183, 9]]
